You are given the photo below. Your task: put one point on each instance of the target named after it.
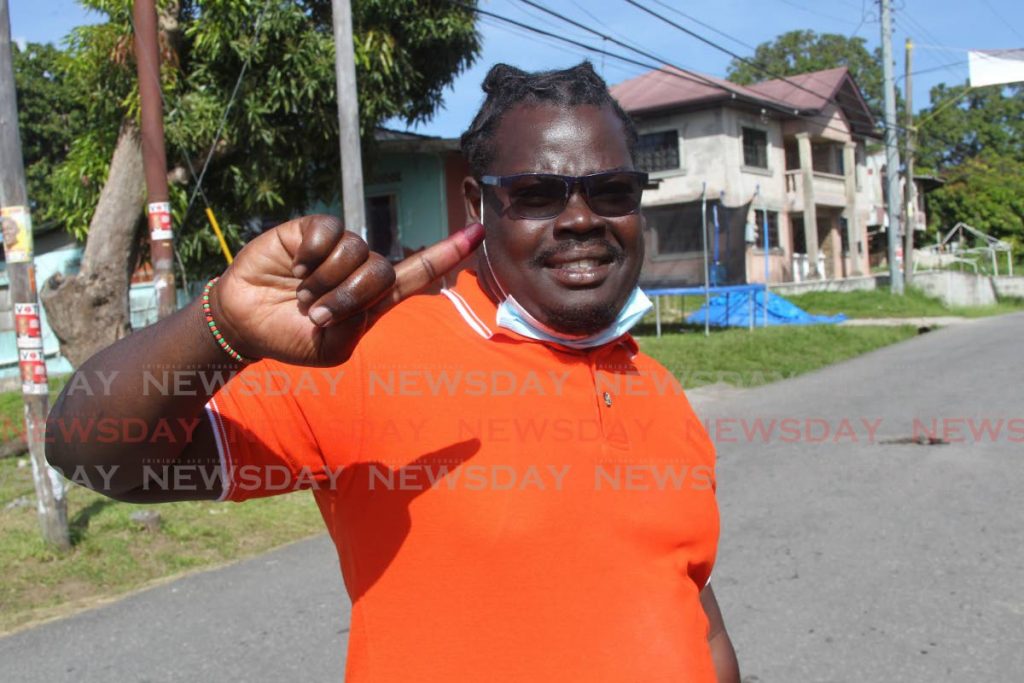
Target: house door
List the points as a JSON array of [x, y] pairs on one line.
[[800, 264], [382, 225]]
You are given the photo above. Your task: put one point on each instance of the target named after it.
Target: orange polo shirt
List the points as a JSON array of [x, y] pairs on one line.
[[504, 509]]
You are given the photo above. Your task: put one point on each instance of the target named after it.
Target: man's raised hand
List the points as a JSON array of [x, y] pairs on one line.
[[305, 292]]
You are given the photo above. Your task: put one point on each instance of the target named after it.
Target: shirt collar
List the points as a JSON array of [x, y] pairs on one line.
[[479, 312]]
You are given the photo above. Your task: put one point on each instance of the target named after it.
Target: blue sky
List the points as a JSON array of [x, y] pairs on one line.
[[942, 30]]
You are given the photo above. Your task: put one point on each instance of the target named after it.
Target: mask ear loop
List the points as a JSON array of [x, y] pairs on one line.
[[487, 258]]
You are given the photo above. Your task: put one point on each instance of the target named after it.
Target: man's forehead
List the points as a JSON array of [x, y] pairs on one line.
[[545, 137]]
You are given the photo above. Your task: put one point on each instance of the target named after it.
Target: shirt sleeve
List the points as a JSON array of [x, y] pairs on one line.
[[268, 423]]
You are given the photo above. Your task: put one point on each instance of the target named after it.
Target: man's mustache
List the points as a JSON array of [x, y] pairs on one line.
[[607, 249]]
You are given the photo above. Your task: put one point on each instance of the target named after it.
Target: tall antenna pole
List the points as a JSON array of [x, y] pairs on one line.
[[348, 120], [892, 152], [51, 503], [154, 156], [910, 190]]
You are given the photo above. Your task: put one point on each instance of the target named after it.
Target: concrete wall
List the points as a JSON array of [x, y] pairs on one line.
[[1008, 287], [852, 284], [957, 289]]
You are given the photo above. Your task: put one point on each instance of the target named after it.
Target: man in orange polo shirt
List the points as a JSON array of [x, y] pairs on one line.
[[515, 491]]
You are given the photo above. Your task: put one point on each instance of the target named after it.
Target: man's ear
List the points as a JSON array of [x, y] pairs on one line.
[[471, 197]]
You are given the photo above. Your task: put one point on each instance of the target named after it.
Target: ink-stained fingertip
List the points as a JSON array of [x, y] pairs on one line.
[[473, 235]]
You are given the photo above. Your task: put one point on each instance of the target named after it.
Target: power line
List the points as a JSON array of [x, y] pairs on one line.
[[816, 12], [674, 71], [701, 23], [1008, 24], [742, 60]]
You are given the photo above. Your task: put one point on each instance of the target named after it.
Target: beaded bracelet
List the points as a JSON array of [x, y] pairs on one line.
[[213, 326]]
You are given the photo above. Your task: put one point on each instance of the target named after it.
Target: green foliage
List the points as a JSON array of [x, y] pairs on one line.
[[977, 146], [803, 51], [987, 119], [49, 117], [278, 149], [986, 192]]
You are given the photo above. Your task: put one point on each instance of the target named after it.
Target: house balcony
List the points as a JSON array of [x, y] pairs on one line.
[[829, 189]]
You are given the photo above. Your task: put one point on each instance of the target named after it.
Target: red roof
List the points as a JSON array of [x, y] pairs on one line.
[[804, 93]]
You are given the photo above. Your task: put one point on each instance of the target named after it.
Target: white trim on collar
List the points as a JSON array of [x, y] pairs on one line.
[[468, 314]]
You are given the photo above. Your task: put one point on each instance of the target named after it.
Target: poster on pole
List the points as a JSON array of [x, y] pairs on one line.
[[17, 231], [160, 221], [33, 371], [28, 330]]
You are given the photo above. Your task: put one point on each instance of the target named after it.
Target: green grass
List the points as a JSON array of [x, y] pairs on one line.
[[746, 358], [880, 303], [112, 555], [12, 409]]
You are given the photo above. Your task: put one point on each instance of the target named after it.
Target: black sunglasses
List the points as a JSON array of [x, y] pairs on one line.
[[537, 196]]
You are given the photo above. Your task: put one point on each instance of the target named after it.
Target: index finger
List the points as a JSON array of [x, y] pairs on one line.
[[419, 270]]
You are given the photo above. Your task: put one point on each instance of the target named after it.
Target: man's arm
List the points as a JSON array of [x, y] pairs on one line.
[[722, 652], [303, 293]]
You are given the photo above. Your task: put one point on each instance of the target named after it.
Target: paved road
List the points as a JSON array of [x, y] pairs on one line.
[[848, 555]]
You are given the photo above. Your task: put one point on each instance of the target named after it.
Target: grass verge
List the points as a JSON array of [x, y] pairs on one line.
[[745, 358], [112, 555], [880, 303]]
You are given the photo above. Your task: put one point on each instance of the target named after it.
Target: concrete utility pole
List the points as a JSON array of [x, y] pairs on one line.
[[892, 152], [154, 156], [348, 120], [910, 190], [51, 503]]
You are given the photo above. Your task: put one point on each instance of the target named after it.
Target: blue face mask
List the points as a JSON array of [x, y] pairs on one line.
[[513, 316]]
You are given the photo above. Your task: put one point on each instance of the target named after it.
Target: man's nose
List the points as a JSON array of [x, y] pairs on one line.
[[577, 216]]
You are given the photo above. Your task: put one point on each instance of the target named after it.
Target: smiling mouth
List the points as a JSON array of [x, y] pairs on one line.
[[580, 272]]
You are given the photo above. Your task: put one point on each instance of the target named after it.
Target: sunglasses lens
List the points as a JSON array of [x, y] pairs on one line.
[[537, 197], [615, 194]]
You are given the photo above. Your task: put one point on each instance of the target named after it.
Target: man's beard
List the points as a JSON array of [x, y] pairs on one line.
[[584, 321]]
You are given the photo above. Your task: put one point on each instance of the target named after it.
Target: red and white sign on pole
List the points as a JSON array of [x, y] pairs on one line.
[[27, 327], [160, 221], [33, 371]]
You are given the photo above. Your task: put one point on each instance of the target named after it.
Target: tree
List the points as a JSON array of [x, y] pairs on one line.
[[977, 146], [958, 126], [277, 151], [799, 52], [49, 118]]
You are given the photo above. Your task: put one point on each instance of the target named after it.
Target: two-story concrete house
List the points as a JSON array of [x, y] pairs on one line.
[[789, 153]]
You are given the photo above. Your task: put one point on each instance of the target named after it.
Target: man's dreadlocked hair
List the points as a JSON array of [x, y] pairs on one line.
[[507, 86]]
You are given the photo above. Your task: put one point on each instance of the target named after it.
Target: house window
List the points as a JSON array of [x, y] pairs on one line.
[[677, 227], [773, 228], [827, 158], [755, 148], [658, 151]]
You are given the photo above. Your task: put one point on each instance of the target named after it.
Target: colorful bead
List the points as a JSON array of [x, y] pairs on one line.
[[208, 314]]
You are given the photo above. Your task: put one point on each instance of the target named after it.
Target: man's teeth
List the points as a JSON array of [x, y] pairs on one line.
[[582, 264]]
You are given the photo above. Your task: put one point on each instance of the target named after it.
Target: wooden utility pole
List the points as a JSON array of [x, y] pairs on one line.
[[154, 156], [910, 190], [17, 237], [892, 152], [348, 120]]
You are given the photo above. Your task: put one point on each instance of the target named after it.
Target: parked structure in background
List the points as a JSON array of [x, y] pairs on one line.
[[790, 153]]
